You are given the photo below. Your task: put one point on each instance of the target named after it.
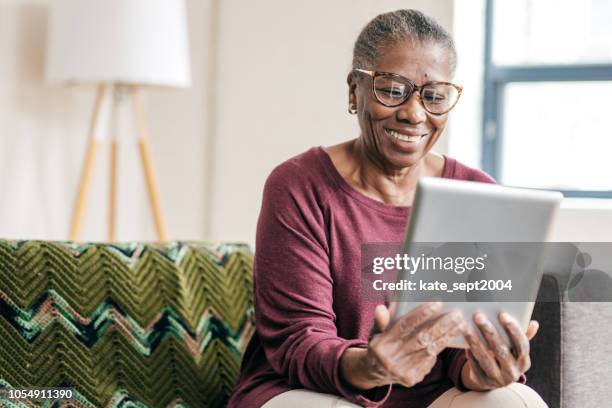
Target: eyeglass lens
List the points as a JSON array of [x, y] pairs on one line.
[[436, 98]]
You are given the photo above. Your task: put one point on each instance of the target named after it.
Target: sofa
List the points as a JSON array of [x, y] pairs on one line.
[[572, 353], [156, 325], [124, 325]]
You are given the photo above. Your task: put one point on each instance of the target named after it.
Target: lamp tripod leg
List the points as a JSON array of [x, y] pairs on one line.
[[86, 172], [112, 205], [145, 155]]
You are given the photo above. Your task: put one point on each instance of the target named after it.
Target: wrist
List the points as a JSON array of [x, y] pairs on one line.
[[355, 370]]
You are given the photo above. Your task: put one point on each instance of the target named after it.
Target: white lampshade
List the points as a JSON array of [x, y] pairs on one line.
[[127, 41]]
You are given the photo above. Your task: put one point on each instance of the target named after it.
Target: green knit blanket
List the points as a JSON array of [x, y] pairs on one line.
[[124, 325]]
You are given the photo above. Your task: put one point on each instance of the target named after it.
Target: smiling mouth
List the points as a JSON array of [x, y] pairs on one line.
[[405, 138]]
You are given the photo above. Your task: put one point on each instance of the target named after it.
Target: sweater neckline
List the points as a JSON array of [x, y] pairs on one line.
[[390, 209]]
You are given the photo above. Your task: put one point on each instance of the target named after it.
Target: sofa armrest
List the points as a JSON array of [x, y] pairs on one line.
[[586, 354], [545, 373], [572, 353]]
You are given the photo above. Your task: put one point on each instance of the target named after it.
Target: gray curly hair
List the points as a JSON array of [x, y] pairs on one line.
[[400, 25]]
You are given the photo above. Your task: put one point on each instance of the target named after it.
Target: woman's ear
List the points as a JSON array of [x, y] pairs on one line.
[[351, 80]]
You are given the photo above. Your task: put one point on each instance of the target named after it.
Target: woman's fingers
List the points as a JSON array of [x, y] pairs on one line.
[[532, 329], [492, 359], [388, 346], [382, 317], [519, 340], [509, 370], [407, 324], [408, 349], [482, 354], [411, 370], [440, 343], [478, 374], [437, 331], [491, 335]]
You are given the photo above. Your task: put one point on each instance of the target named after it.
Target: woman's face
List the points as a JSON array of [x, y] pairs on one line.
[[420, 63]]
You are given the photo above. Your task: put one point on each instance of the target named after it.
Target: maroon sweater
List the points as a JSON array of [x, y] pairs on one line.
[[308, 306]]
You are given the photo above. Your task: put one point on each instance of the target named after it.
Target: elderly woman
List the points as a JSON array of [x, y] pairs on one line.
[[318, 342]]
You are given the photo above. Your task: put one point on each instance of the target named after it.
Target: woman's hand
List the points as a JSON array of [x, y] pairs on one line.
[[404, 352], [491, 364]]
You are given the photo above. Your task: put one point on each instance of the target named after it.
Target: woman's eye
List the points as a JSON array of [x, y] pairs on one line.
[[433, 97], [393, 92]]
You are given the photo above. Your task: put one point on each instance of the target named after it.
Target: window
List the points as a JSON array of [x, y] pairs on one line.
[[548, 95]]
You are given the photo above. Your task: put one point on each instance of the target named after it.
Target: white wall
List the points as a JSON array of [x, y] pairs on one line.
[[43, 131], [583, 220], [466, 122]]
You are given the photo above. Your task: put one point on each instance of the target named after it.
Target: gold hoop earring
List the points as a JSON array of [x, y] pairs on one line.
[[352, 109]]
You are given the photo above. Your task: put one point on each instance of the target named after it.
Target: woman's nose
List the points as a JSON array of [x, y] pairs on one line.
[[412, 110]]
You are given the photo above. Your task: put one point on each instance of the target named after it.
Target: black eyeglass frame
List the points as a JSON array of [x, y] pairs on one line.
[[415, 88]]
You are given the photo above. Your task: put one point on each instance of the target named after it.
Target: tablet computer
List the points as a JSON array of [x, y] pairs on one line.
[[455, 216]]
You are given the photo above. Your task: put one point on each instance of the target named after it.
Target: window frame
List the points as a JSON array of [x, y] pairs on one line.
[[495, 80]]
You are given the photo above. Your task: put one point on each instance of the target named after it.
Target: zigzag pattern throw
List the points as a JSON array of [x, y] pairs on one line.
[[124, 325]]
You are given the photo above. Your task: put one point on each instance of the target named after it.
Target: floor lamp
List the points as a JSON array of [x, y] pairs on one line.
[[122, 46]]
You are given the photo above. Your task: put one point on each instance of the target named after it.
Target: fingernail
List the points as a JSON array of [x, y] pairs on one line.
[[480, 318], [435, 305], [504, 317], [424, 338], [456, 316]]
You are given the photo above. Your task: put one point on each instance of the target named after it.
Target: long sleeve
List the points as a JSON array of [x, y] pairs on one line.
[[454, 360], [293, 288]]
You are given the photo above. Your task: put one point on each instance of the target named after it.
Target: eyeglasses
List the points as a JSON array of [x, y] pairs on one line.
[[393, 90]]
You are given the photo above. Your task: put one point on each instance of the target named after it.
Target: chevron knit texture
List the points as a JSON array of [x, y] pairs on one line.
[[124, 325]]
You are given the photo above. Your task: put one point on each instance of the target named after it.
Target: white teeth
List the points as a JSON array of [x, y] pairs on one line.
[[404, 138]]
